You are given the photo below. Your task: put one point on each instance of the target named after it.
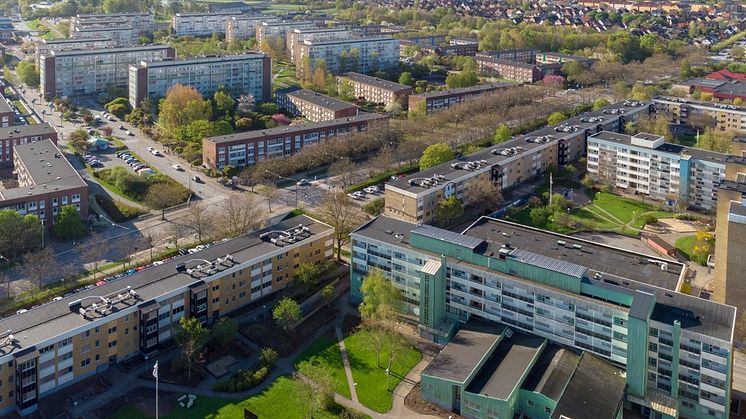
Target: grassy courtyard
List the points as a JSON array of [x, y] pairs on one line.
[[685, 245], [325, 351]]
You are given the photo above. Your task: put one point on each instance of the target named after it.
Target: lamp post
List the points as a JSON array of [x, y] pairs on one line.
[[7, 267], [290, 179]]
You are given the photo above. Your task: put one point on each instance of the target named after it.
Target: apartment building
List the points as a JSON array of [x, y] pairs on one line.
[[524, 55], [63, 342], [415, 197], [200, 24], [7, 115], [6, 28], [240, 74], [557, 58], [123, 35], [645, 164], [278, 29], [46, 182], [376, 90], [295, 36], [620, 306], [439, 45], [87, 72], [245, 148], [44, 46], [313, 105], [362, 55], [517, 71], [141, 22], [243, 26], [12, 136], [683, 111], [430, 102]]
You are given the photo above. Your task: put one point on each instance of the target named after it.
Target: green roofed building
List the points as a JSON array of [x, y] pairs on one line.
[[622, 309]]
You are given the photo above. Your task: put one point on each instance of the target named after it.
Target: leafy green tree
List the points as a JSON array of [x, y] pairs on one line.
[[588, 181], [269, 108], [539, 216], [223, 102], [600, 103], [306, 275], [685, 70], [161, 196], [407, 79], [573, 69], [28, 73], [286, 312], [77, 140], [181, 106], [556, 118], [448, 209], [381, 302], [626, 46], [738, 101], [345, 90], [466, 78], [69, 224], [502, 133], [327, 293], [118, 107], [191, 336], [224, 332], [268, 357], [435, 154]]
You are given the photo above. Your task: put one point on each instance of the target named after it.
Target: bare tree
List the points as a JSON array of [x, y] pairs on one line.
[[381, 161], [151, 237], [94, 250], [238, 216], [269, 192], [338, 210], [343, 170], [200, 220], [161, 196], [128, 245], [175, 231], [38, 266], [484, 195]]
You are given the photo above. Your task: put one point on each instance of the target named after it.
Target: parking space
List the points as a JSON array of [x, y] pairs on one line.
[[368, 194]]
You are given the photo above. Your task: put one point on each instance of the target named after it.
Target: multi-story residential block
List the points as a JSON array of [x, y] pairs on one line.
[[245, 148], [141, 22], [278, 29], [508, 69], [244, 26], [22, 134], [44, 46], [84, 72], [557, 58], [295, 36], [123, 35], [618, 305], [415, 197], [376, 90], [7, 116], [63, 342], [6, 28], [240, 74], [362, 55], [438, 45], [313, 105], [200, 24], [524, 55], [682, 111], [645, 164], [46, 182], [430, 102]]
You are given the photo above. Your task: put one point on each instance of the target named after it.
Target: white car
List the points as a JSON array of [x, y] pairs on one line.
[[177, 168], [155, 152], [150, 149], [371, 189]]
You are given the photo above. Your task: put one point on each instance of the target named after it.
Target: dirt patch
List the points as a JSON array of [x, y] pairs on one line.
[[268, 334], [142, 399], [52, 406], [414, 402]]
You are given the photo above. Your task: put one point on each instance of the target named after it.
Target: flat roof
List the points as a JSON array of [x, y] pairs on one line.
[[504, 61], [670, 148], [589, 120], [65, 41], [317, 99], [289, 130], [507, 365], [5, 106], [702, 82], [374, 81], [200, 60], [596, 390], [552, 372], [462, 90], [53, 319], [20, 131], [460, 357], [349, 41], [721, 106], [107, 51]]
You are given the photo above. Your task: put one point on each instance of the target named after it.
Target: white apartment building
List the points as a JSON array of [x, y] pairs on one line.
[[200, 24], [244, 26], [646, 164], [123, 35], [88, 72], [362, 55], [296, 36], [141, 22], [44, 46], [240, 74], [278, 29]]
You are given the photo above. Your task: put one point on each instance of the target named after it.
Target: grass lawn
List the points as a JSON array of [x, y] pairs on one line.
[[325, 351], [278, 401], [685, 245], [371, 380]]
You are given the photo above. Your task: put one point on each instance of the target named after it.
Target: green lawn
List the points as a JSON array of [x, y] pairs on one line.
[[685, 245], [325, 351], [278, 401], [371, 380]]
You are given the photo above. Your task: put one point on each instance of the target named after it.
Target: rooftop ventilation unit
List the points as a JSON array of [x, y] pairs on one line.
[[566, 128], [615, 111], [592, 119], [542, 139]]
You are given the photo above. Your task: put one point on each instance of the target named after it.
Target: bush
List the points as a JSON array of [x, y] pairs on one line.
[[374, 207], [268, 358], [117, 211], [242, 380], [350, 413], [650, 219]]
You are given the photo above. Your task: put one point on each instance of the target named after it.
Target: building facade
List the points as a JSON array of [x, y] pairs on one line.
[[517, 71], [618, 305], [22, 134], [243, 27], [141, 22], [200, 24], [44, 46], [645, 164], [415, 197], [7, 116], [240, 74], [122, 35], [63, 342], [273, 28], [87, 72], [362, 55], [376, 90], [684, 111], [313, 105], [295, 36], [427, 103], [246, 148]]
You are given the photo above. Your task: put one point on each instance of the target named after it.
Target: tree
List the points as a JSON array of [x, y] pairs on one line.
[[245, 104], [381, 302], [483, 194], [407, 79], [655, 125], [94, 250], [118, 107], [306, 275], [224, 332], [78, 140], [223, 101], [18, 233], [345, 90], [737, 52], [338, 210], [200, 220], [191, 336], [466, 78], [269, 108], [127, 245], [539, 216], [435, 154], [161, 196], [286, 313], [38, 266], [69, 224], [181, 106], [343, 170], [107, 130], [715, 140], [556, 118], [327, 293], [28, 73], [738, 101], [502, 133], [238, 215], [685, 70], [626, 46], [269, 192], [572, 69], [704, 245], [588, 181], [600, 103], [448, 209]]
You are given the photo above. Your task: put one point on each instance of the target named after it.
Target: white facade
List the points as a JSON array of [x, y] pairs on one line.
[[362, 55], [200, 24]]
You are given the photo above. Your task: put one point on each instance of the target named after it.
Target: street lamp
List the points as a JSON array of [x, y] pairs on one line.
[[7, 268], [290, 179]]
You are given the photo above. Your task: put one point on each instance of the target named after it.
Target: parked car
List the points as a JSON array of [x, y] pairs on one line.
[[155, 152], [122, 127], [303, 182], [150, 149], [371, 189], [177, 168], [130, 133], [196, 179]]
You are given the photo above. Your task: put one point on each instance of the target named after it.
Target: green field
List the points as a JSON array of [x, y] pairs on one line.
[[685, 245], [325, 351]]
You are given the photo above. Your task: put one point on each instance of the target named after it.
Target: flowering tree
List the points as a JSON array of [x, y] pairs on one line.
[[246, 103], [281, 119]]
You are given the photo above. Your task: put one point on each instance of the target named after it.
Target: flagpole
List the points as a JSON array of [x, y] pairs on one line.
[[155, 374]]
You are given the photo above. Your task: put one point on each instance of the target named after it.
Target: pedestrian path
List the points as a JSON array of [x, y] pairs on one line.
[[346, 362]]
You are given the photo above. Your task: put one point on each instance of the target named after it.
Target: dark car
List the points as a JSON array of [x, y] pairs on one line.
[[197, 179]]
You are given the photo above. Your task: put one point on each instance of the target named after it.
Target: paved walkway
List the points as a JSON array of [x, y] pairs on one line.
[[346, 362]]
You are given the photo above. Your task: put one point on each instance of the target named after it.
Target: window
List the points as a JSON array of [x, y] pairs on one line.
[[86, 362], [113, 343], [530, 403], [547, 410], [98, 357], [112, 329]]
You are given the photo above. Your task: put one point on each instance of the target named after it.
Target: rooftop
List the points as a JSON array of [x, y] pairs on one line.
[[552, 372], [464, 90], [5, 106], [670, 148], [287, 130], [107, 51], [461, 356], [502, 373], [210, 59], [596, 390], [66, 41], [374, 81], [351, 40], [29, 130], [698, 82], [316, 98], [701, 103], [454, 170], [503, 61], [50, 320]]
